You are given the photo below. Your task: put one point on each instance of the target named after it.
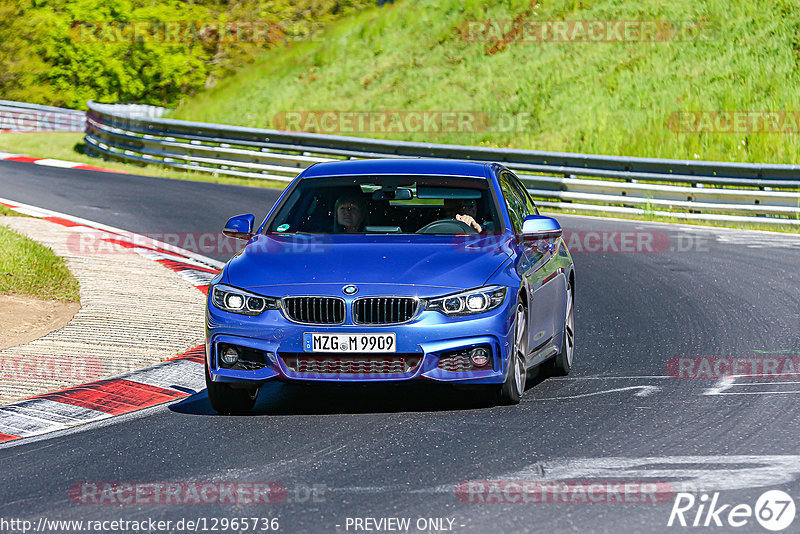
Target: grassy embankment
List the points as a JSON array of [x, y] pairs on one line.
[[28, 268], [603, 98]]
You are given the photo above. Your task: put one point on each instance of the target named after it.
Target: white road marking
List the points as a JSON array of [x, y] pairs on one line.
[[777, 383], [641, 391], [791, 392], [722, 386], [570, 378], [693, 473]]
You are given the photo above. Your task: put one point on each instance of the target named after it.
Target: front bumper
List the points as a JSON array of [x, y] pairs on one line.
[[427, 338]]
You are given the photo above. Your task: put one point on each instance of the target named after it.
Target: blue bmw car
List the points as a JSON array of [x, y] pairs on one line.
[[392, 270]]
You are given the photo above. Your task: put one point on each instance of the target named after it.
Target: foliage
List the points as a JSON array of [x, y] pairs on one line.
[[50, 55]]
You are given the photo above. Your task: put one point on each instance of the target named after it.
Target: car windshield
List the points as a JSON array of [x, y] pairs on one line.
[[388, 205]]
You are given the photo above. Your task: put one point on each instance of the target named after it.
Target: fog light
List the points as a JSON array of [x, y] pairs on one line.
[[479, 357], [230, 356]]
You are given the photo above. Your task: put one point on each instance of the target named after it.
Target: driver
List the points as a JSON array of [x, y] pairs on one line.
[[350, 210], [464, 210]]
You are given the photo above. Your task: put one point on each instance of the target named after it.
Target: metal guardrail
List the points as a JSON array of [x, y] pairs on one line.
[[138, 111], [767, 193], [24, 117]]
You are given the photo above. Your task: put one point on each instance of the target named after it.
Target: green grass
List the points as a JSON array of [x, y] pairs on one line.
[[31, 269], [69, 146], [4, 211], [605, 98]]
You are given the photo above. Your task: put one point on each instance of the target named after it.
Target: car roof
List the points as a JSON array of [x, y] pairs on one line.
[[436, 167]]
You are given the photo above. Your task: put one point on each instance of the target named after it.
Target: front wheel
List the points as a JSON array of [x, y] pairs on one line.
[[562, 363], [227, 400], [514, 385]]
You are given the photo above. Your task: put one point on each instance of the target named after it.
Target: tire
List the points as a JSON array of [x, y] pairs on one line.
[[229, 401], [513, 386], [562, 363]]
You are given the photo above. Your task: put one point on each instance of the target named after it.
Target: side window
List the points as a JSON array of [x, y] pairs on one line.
[[530, 206], [515, 204]]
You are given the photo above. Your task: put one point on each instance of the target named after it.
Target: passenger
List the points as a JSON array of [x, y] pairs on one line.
[[464, 210], [351, 210]]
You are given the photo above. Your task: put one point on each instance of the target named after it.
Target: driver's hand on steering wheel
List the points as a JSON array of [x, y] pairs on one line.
[[467, 219]]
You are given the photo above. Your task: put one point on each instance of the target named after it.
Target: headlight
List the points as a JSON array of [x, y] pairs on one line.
[[239, 301], [469, 302]]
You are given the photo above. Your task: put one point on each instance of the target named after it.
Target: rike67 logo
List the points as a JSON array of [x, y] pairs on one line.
[[774, 510]]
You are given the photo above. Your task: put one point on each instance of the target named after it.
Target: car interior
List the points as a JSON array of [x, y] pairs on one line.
[[390, 209]]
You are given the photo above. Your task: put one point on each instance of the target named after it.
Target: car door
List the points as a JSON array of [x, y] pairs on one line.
[[536, 268]]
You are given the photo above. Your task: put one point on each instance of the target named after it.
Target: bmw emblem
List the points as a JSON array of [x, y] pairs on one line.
[[350, 290]]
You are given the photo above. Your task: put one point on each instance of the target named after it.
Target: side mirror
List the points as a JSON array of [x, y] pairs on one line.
[[240, 227], [541, 227]]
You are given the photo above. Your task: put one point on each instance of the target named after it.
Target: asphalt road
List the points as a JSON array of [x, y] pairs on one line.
[[141, 204], [702, 296]]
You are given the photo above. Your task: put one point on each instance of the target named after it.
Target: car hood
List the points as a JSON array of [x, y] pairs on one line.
[[443, 262]]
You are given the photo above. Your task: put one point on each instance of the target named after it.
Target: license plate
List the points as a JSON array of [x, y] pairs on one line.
[[349, 342]]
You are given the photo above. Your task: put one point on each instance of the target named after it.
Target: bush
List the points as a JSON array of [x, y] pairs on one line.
[[48, 57]]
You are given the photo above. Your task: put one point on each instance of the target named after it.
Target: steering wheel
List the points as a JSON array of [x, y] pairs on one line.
[[447, 227]]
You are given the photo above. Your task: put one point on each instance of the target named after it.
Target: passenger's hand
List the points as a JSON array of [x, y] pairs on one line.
[[467, 219]]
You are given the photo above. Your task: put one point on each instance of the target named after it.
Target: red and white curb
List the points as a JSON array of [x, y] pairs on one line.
[[49, 162], [176, 378], [195, 268]]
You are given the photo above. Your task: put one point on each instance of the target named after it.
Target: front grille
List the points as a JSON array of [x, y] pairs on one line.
[[384, 310], [351, 364], [314, 310], [244, 365], [456, 363]]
